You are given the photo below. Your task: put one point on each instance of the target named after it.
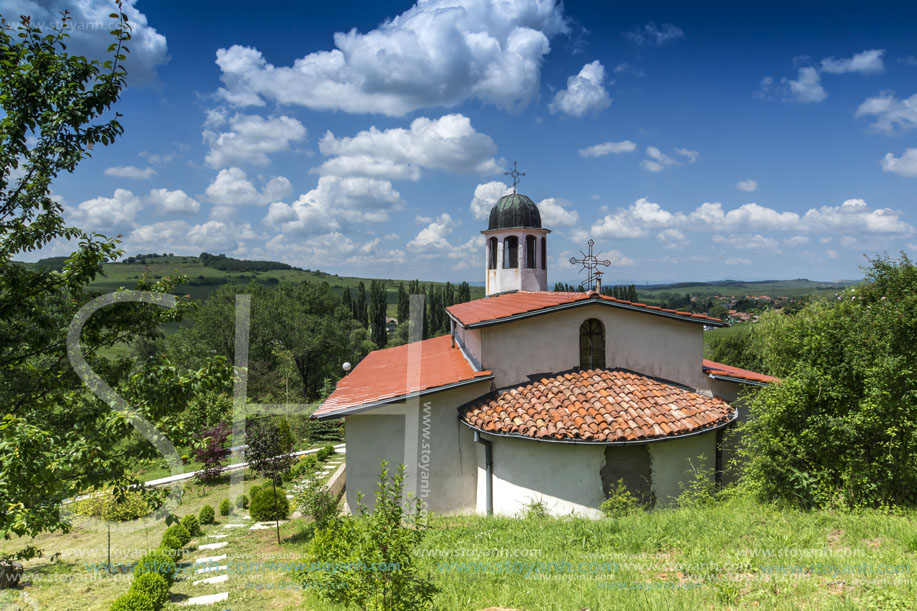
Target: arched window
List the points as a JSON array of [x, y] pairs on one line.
[[492, 253], [511, 252], [544, 253], [592, 344], [530, 252]]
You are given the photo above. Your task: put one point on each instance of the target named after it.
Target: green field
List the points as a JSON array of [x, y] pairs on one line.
[[739, 288]]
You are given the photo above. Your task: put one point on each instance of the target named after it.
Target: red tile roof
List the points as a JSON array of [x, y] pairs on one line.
[[598, 405], [384, 375], [507, 306], [719, 369]]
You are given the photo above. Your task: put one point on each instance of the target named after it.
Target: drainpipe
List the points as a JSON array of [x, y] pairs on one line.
[[489, 472]]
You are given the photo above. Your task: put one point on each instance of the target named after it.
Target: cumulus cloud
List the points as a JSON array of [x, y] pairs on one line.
[[890, 112], [231, 187], [435, 236], [334, 202], [485, 196], [585, 92], [747, 185], [108, 213], [449, 143], [797, 240], [437, 53], [598, 150], [672, 238], [650, 34], [250, 139], [807, 86], [748, 242], [173, 201], [89, 32], [182, 236], [129, 171], [556, 212], [865, 62], [906, 165], [634, 221], [855, 215]]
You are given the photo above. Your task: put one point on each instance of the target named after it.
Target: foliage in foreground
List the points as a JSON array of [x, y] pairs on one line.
[[375, 552], [841, 426]]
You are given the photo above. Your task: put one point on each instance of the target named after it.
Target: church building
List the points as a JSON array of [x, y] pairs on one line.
[[541, 396]]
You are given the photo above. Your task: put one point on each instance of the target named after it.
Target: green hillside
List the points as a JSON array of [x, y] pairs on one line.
[[799, 287]]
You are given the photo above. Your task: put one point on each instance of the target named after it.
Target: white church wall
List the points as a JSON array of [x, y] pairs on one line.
[[520, 277], [470, 341], [674, 463], [444, 463], [565, 477], [548, 343]]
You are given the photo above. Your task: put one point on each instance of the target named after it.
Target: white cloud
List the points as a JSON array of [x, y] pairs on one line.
[[746, 216], [634, 221], [797, 240], [173, 201], [747, 185], [437, 53], [435, 236], [449, 143], [108, 213], [737, 261], [855, 215], [906, 165], [178, 236], [658, 161], [334, 202], [598, 150], [250, 138], [231, 187], [421, 220], [89, 32], [555, 213], [865, 62], [585, 92], [672, 238], [832, 254], [890, 112], [748, 242], [650, 34], [129, 171], [485, 196], [806, 88]]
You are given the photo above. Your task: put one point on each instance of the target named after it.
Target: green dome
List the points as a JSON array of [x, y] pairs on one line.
[[514, 211]]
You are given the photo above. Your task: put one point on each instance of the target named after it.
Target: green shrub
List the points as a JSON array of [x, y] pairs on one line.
[[184, 537], [304, 466], [316, 502], [325, 452], [156, 561], [225, 507], [192, 525], [171, 541], [536, 510], [107, 506], [262, 504], [620, 502], [133, 600], [701, 489], [206, 516], [242, 501], [389, 535], [154, 586]]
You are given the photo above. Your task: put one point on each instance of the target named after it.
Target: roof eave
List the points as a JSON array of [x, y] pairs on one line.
[[362, 407], [578, 303], [727, 378]]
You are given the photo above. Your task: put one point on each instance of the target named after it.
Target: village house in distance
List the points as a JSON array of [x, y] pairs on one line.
[[540, 396]]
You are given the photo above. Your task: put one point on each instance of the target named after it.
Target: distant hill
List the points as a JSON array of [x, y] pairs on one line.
[[740, 288]]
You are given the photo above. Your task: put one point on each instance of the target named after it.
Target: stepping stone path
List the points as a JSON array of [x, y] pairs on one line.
[[213, 545], [211, 569], [207, 600], [217, 536], [210, 559], [234, 525], [217, 579], [265, 525]]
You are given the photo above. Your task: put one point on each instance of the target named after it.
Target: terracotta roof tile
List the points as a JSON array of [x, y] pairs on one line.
[[637, 407], [509, 305], [736, 372], [383, 374]]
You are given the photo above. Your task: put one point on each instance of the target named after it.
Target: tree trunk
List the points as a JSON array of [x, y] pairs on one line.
[[276, 517]]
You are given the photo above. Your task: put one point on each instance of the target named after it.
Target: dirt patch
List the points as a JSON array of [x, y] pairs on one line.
[[834, 536]]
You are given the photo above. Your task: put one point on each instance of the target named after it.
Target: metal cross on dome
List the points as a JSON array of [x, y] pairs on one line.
[[515, 174], [591, 263]]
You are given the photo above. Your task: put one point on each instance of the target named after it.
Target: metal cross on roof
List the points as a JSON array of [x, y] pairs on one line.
[[591, 263], [515, 174]]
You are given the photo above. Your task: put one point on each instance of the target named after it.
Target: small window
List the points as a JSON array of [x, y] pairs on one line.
[[511, 252], [544, 253], [530, 252], [492, 253], [592, 344]]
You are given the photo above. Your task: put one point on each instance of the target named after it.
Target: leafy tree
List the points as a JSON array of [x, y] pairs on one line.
[[212, 451], [57, 440], [268, 453], [113, 505], [404, 304], [377, 310], [361, 307], [841, 426]]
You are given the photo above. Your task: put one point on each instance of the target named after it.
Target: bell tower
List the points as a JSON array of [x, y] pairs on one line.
[[516, 246]]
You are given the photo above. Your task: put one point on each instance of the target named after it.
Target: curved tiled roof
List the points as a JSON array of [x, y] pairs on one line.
[[389, 375], [597, 405], [509, 306], [729, 372], [514, 211]]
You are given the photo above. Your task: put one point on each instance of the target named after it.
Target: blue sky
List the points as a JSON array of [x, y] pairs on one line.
[[363, 138]]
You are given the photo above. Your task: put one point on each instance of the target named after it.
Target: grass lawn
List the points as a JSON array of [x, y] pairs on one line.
[[736, 554]]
